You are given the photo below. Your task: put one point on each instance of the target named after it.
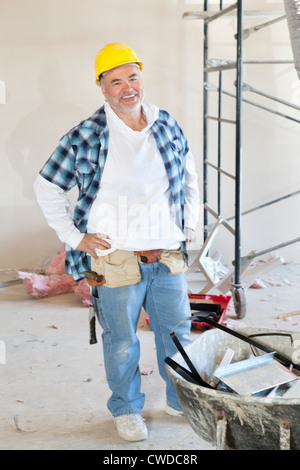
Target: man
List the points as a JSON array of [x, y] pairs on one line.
[[137, 207]]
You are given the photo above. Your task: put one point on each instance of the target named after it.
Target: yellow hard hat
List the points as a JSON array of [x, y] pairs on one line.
[[113, 55]]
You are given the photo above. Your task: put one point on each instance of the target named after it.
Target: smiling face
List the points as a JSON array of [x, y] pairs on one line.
[[123, 89]]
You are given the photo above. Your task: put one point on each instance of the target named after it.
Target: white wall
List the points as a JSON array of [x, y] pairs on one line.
[[47, 52]]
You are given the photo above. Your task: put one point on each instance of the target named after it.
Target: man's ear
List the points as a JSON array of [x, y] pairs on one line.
[[103, 90]]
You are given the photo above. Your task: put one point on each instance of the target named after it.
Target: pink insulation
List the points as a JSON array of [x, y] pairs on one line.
[[40, 285], [55, 281]]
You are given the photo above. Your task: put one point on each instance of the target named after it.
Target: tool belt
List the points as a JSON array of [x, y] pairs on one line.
[[121, 267], [148, 257]]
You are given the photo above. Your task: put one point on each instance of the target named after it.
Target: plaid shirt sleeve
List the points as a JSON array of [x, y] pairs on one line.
[[78, 161], [60, 167]]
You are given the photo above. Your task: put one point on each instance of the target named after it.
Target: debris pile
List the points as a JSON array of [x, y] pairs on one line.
[[256, 376], [255, 370]]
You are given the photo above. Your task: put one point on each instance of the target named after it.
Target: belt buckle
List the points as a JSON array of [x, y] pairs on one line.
[[148, 257]]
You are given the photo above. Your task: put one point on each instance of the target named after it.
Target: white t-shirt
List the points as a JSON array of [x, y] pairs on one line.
[[132, 205]]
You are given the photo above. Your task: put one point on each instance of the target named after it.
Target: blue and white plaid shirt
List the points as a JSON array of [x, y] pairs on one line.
[[80, 158]]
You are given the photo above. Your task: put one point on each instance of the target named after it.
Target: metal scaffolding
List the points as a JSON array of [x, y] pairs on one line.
[[219, 67]]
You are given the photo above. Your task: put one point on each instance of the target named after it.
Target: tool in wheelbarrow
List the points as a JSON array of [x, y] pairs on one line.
[[264, 348], [185, 373], [193, 374]]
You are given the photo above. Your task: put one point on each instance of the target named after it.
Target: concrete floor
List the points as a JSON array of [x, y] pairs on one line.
[[53, 387]]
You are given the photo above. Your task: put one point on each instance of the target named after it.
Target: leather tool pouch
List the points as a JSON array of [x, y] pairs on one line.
[[119, 268], [174, 260]]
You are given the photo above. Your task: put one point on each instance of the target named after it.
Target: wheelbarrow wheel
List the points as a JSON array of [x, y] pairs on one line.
[[239, 301]]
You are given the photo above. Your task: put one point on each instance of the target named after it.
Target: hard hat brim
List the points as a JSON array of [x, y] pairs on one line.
[[138, 64]]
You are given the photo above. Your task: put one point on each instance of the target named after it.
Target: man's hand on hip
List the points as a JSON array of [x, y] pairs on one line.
[[92, 241]]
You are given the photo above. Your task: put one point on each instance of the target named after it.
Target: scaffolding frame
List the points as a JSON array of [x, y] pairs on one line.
[[237, 287], [239, 263]]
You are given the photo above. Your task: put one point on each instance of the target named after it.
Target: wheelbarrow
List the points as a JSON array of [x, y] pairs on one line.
[[230, 421]]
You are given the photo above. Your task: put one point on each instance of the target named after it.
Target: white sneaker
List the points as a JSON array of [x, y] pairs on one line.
[[131, 427], [172, 412]]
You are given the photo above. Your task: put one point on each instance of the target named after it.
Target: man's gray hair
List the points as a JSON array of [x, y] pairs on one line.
[[101, 81]]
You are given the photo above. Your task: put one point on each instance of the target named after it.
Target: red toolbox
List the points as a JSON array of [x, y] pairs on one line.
[[216, 304]]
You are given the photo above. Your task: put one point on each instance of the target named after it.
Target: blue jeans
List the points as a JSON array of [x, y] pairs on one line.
[[164, 298]]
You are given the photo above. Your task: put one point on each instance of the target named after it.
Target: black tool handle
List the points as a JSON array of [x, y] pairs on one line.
[[93, 337], [186, 374], [194, 371]]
